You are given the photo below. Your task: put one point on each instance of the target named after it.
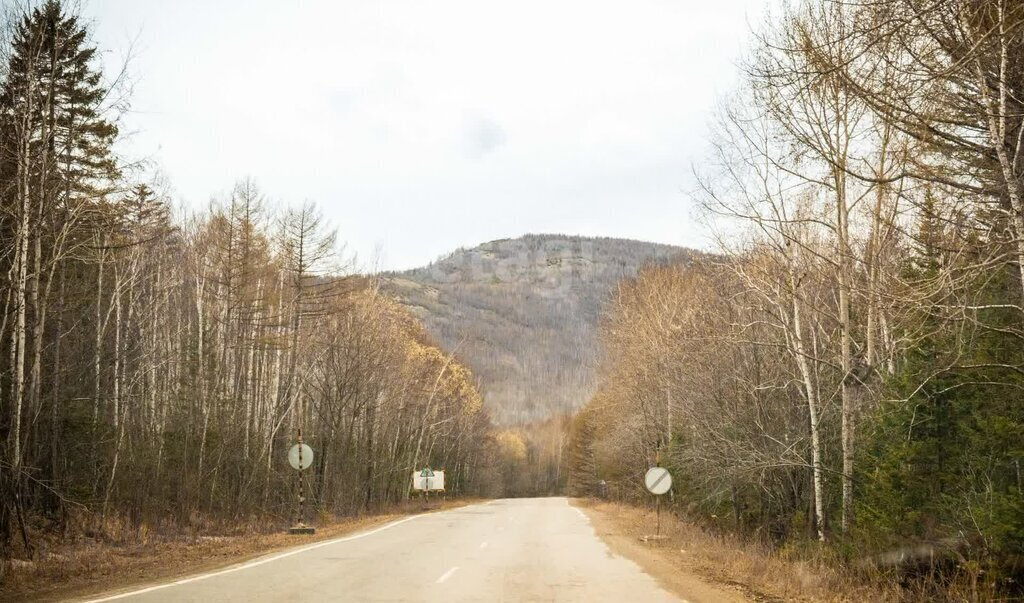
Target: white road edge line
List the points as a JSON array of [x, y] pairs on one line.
[[447, 575], [257, 562]]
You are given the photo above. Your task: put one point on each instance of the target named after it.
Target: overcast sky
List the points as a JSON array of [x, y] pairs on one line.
[[422, 126]]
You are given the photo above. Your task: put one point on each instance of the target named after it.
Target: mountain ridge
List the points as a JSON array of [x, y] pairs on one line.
[[522, 312]]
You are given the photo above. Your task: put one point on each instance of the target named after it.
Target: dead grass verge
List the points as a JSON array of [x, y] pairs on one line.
[[760, 574]]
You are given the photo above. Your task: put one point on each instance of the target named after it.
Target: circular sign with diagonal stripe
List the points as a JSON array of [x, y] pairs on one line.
[[658, 480], [300, 457]]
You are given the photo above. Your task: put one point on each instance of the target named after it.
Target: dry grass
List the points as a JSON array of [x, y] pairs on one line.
[[114, 557], [762, 575]]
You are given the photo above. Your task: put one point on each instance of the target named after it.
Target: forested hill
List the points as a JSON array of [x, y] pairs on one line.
[[522, 313]]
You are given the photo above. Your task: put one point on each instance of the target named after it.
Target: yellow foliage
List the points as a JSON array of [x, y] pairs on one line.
[[511, 445]]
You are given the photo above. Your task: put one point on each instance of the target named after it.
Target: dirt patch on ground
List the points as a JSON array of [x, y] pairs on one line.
[[86, 569], [703, 568]]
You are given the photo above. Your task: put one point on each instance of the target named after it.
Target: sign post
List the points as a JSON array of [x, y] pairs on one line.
[[658, 481], [300, 457]]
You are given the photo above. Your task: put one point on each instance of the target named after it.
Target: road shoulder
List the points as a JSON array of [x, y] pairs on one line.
[[622, 527]]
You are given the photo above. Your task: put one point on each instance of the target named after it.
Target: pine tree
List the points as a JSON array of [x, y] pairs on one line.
[[55, 151]]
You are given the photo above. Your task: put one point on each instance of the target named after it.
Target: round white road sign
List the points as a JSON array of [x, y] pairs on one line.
[[307, 457], [658, 481]]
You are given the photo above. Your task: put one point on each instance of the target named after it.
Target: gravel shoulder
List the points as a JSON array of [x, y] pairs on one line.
[[622, 529], [723, 568]]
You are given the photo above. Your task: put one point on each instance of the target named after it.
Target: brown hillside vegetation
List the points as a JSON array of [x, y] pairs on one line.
[[522, 314]]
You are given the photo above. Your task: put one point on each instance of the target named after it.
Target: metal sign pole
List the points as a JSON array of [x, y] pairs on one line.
[[300, 457], [657, 463], [298, 520], [658, 482]]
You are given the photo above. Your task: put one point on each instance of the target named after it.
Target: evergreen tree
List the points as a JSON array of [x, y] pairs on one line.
[[56, 163], [54, 81]]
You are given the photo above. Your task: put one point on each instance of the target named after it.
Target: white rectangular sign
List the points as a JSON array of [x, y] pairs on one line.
[[430, 483]]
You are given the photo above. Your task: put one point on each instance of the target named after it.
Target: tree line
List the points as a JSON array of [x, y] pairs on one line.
[[159, 363], [848, 369]]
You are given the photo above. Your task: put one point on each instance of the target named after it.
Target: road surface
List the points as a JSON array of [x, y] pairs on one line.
[[539, 549]]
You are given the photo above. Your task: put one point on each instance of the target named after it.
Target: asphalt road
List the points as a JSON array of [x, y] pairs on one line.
[[539, 549]]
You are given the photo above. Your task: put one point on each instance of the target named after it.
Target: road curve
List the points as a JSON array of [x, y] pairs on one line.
[[539, 549]]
